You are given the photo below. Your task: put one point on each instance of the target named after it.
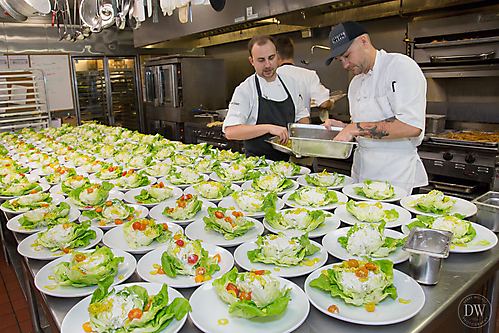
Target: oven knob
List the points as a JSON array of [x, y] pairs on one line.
[[448, 156], [469, 158]]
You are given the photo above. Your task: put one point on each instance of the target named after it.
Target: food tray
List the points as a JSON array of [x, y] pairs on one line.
[[441, 138], [277, 146]]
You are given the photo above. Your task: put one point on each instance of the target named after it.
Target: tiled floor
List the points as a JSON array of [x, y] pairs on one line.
[[14, 316]]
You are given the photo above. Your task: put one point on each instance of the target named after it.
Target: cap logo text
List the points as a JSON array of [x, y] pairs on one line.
[[338, 37]]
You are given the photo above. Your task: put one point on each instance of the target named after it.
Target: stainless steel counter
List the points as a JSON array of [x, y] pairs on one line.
[[461, 275]]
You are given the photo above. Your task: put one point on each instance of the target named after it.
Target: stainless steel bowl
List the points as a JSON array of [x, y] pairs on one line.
[[6, 5]]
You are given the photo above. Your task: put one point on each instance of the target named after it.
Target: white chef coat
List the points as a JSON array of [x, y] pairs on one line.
[[395, 87], [309, 83], [243, 108]]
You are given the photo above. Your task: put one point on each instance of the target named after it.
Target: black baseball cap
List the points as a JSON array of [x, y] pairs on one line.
[[342, 36]]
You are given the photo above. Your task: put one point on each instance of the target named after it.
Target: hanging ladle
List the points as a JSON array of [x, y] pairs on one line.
[[78, 33]]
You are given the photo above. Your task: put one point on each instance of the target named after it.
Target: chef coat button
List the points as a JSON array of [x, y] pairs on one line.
[[365, 95], [358, 98]]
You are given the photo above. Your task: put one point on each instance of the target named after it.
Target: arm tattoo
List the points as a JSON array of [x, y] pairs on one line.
[[375, 130]]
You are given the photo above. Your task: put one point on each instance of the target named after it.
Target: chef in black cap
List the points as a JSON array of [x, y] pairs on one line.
[[387, 100]]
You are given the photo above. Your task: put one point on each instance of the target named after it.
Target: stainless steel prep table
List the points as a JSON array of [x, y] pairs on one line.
[[462, 274]]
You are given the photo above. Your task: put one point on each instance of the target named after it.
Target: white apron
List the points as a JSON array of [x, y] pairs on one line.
[[395, 161]]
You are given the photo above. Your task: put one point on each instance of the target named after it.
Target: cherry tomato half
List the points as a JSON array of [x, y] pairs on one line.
[[245, 296], [370, 266], [219, 215], [361, 272], [188, 196], [148, 306], [180, 243], [135, 313], [80, 257], [333, 309], [260, 272], [200, 271], [353, 263], [165, 226], [192, 259], [142, 226], [232, 287], [136, 225]]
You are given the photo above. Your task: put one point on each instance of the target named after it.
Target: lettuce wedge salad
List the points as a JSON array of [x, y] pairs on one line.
[[43, 217], [368, 239], [163, 152], [131, 179], [375, 190], [93, 195], [314, 197], [187, 175], [142, 232], [213, 190], [225, 155], [61, 174], [229, 225], [433, 202], [179, 159], [358, 282], [28, 202], [253, 201], [185, 207], [112, 211], [139, 161], [17, 190], [111, 172], [74, 182], [95, 166], [252, 294], [87, 268], [132, 309], [155, 194], [206, 165], [281, 250], [197, 149], [462, 231], [300, 219], [270, 182], [186, 257], [236, 171], [325, 179], [371, 212], [254, 161], [66, 236], [286, 169], [13, 178], [159, 169]]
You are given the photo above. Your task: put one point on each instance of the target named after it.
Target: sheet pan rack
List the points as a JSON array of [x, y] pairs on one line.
[[23, 99]]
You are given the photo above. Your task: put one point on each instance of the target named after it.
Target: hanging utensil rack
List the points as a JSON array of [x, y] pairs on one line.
[[23, 99]]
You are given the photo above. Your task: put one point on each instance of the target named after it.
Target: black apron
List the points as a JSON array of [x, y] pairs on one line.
[[270, 112]]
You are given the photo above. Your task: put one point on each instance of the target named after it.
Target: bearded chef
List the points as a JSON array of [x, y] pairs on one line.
[[387, 99]]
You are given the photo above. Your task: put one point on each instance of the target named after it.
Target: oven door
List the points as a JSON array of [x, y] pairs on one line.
[[150, 77], [168, 86]]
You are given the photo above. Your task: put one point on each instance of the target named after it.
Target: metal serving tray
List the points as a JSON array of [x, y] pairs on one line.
[[277, 146], [317, 141], [441, 138]]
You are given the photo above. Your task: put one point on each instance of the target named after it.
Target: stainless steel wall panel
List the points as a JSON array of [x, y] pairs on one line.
[[3, 42], [23, 38]]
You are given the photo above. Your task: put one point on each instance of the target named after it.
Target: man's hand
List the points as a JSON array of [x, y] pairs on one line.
[[345, 134], [281, 132], [333, 123]]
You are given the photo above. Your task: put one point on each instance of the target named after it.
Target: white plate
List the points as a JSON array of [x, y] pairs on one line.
[[348, 218], [56, 198], [115, 239], [157, 212], [78, 315], [241, 257], [81, 169], [303, 171], [28, 249], [230, 203], [346, 181], [94, 179], [206, 297], [145, 267], [44, 187], [193, 191], [330, 223], [44, 180], [482, 233], [342, 199], [196, 230], [247, 186], [113, 194], [463, 207], [14, 225], [349, 190], [215, 177], [45, 277], [330, 242], [152, 181], [37, 172], [142, 213], [387, 312], [129, 196], [167, 182], [30, 177]]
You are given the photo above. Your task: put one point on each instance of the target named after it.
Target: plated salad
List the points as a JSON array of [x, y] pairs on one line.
[[164, 151], [28, 202], [185, 207], [225, 155], [159, 169], [132, 309], [139, 161], [213, 190], [252, 201], [111, 172], [253, 161], [87, 268], [270, 182], [236, 171], [462, 231], [142, 232], [371, 212], [300, 219], [206, 165], [131, 179], [375, 190], [112, 211], [122, 157], [187, 257], [229, 224], [66, 236], [93, 195], [325, 179], [314, 196], [179, 159], [73, 182], [252, 294], [433, 202], [285, 169], [95, 166], [368, 239], [61, 174], [155, 194], [282, 250], [51, 215], [13, 178], [17, 190], [359, 283], [187, 175], [198, 149]]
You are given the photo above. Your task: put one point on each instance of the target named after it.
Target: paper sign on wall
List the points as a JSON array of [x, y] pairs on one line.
[[18, 61]]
